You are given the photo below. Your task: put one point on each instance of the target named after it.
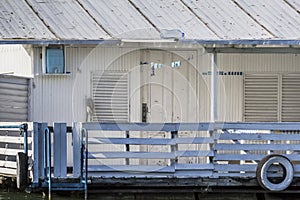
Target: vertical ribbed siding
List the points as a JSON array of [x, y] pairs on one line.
[[75, 88], [9, 63], [234, 86], [64, 97]]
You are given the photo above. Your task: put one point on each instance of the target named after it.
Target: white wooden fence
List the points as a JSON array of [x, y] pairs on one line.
[[227, 150], [11, 143]]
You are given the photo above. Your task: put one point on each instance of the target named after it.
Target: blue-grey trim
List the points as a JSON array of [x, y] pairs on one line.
[[241, 42], [60, 42], [182, 41]]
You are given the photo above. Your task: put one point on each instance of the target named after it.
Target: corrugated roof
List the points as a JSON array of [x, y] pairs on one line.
[[226, 19], [199, 20], [17, 21], [120, 19], [173, 14], [276, 16], [67, 19]]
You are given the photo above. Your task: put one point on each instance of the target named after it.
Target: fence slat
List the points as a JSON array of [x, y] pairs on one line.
[[8, 171], [195, 153], [15, 140], [132, 168], [194, 166], [8, 164], [118, 154], [258, 136], [257, 147], [257, 157], [131, 141], [235, 167]]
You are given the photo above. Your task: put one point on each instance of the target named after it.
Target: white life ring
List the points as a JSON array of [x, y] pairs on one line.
[[264, 166]]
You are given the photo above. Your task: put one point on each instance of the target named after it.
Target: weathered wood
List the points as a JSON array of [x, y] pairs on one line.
[[168, 127], [238, 175], [150, 141], [8, 171], [132, 141], [8, 164], [38, 150], [195, 153], [258, 136], [60, 150], [132, 168], [194, 166], [12, 152], [235, 167], [256, 157], [76, 149], [14, 140], [118, 154], [257, 147]]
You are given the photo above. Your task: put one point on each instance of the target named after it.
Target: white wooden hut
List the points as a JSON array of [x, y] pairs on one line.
[[157, 61]]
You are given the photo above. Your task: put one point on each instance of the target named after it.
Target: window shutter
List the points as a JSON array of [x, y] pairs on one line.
[[261, 98], [110, 96], [290, 98]]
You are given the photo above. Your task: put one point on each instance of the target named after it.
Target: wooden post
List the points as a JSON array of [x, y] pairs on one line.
[[60, 150], [214, 88], [214, 99], [76, 150], [38, 151], [174, 148]]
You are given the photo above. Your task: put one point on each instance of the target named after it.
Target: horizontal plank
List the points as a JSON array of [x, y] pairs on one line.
[[192, 126], [8, 171], [194, 153], [130, 168], [149, 155], [194, 166], [15, 140], [231, 174], [257, 147], [256, 157], [168, 127], [258, 136], [8, 164], [235, 167], [150, 141], [131, 141], [194, 140], [12, 152]]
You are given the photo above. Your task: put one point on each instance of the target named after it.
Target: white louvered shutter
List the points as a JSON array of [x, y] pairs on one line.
[[261, 98], [110, 96], [14, 97], [290, 98]]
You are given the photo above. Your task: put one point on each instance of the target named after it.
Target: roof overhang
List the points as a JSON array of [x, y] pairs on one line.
[[248, 46], [60, 42], [217, 46]]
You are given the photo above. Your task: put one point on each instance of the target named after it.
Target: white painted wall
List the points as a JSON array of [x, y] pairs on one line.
[[62, 98], [16, 60]]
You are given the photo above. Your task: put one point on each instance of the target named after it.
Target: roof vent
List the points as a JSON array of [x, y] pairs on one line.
[[171, 34]]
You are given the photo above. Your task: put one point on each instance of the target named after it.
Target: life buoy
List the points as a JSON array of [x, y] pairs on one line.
[[284, 166]]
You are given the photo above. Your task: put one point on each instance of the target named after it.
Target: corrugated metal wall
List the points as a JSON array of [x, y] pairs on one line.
[[16, 60], [248, 64], [63, 97]]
